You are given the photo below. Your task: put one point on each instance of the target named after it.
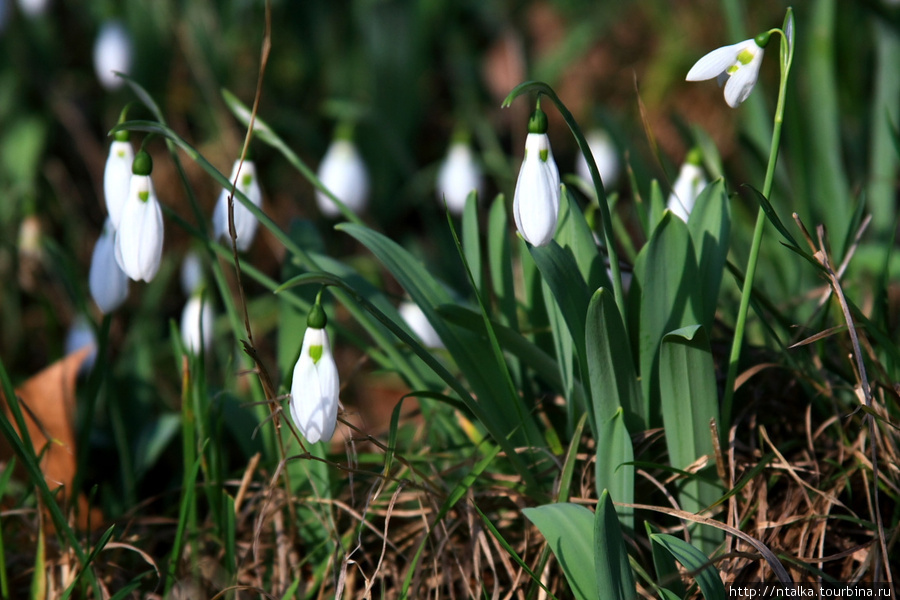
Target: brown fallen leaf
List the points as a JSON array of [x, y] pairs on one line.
[[47, 401]]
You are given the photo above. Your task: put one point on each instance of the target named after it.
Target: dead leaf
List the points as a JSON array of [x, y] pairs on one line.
[[47, 401]]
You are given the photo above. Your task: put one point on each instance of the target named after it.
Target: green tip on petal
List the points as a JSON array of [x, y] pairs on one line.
[[762, 40], [144, 196], [315, 353], [538, 122], [316, 318], [694, 157], [247, 179], [143, 164]]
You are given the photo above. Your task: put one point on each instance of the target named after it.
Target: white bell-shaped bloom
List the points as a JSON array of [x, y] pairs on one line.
[[81, 335], [116, 178], [139, 237], [107, 281], [605, 155], [737, 66], [536, 203], [315, 388], [690, 182], [191, 273], [197, 323], [344, 174], [414, 317], [245, 222], [33, 8], [112, 53], [458, 176]]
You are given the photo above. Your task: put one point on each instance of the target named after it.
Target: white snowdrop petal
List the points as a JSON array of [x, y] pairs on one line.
[[458, 176], [116, 178], [344, 173], [197, 320], [112, 53], [315, 388], [245, 222], [741, 82], [715, 62], [106, 280], [139, 239]]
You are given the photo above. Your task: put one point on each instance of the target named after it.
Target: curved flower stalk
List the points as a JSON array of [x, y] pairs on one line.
[[536, 202], [735, 66], [343, 172], [417, 321], [106, 280], [690, 182], [605, 155], [117, 176], [458, 176], [245, 222], [197, 321], [315, 385], [112, 53], [139, 239]]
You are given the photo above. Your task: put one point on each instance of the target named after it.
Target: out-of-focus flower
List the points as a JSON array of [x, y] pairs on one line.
[[245, 222], [536, 202], [33, 8], [191, 273], [4, 14], [107, 281], [81, 334], [117, 176], [458, 176], [736, 66], [418, 322], [315, 385], [605, 155], [344, 174], [139, 237], [197, 323], [690, 182], [112, 52]]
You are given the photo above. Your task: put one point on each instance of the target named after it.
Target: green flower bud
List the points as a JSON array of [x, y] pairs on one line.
[[762, 40], [316, 318], [538, 122], [143, 164]]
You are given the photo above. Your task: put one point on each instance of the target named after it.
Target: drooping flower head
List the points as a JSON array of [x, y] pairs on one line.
[[690, 182], [736, 66], [107, 281], [605, 155], [458, 176], [112, 53], [315, 385], [197, 320], [412, 314], [536, 202], [117, 176], [343, 172], [139, 238], [245, 222]]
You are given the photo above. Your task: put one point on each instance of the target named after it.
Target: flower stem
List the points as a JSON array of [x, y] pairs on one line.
[[746, 291]]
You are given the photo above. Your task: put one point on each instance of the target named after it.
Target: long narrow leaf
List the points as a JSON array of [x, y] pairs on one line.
[[615, 579]]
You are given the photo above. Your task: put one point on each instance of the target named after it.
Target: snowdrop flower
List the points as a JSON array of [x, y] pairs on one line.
[[315, 385], [197, 323], [33, 8], [191, 273], [536, 202], [344, 174], [80, 335], [605, 155], [458, 176], [107, 281], [117, 176], [412, 314], [736, 66], [690, 182], [139, 238], [112, 52], [245, 222]]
